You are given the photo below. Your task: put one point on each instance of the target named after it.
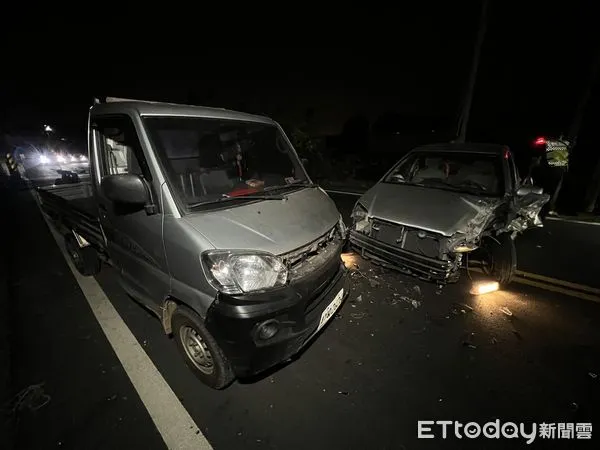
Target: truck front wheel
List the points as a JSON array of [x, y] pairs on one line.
[[85, 259], [499, 258], [201, 352]]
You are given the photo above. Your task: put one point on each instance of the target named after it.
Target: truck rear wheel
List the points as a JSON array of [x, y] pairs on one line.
[[85, 259], [199, 349], [499, 258]]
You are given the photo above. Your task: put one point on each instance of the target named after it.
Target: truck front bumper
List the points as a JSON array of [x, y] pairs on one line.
[[242, 326]]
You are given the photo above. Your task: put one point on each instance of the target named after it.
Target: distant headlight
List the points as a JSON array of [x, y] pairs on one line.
[[234, 272], [44, 159], [83, 158], [73, 158], [61, 159]]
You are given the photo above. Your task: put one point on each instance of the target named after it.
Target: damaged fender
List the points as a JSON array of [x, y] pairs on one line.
[[524, 212]]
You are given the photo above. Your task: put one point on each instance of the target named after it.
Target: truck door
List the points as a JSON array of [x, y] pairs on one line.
[[134, 238]]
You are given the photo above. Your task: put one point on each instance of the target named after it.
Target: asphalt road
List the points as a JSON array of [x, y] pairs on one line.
[[399, 351]]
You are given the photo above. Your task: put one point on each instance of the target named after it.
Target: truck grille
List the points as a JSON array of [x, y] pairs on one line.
[[406, 238], [313, 256]]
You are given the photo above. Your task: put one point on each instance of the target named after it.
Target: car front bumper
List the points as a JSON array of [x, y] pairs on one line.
[[432, 269], [295, 310]]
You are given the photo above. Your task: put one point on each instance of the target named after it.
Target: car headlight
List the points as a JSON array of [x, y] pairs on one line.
[[233, 272], [342, 226], [73, 158], [44, 159], [360, 219]]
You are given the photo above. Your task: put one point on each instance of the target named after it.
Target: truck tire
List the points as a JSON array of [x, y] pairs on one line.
[[499, 258], [199, 349], [85, 259]]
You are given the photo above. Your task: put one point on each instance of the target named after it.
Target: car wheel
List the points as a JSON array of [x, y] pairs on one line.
[[199, 349], [85, 259], [499, 258]]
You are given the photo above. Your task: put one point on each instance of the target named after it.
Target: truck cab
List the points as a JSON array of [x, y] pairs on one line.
[[213, 224]]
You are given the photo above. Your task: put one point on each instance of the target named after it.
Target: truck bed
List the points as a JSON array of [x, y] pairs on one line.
[[73, 207]]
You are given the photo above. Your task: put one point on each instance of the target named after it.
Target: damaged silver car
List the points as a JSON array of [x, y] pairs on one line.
[[444, 204]]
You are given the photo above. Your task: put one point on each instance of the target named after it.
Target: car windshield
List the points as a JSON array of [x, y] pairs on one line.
[[471, 172], [208, 160]]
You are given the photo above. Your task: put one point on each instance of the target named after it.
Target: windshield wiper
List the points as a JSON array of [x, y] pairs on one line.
[[228, 198], [291, 185]]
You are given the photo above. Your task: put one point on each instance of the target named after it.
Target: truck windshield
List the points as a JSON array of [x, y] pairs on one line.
[[470, 172], [210, 159]]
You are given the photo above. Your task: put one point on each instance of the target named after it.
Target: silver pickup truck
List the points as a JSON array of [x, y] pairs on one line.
[[212, 223]]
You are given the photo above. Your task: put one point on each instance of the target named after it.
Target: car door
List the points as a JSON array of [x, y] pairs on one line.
[[134, 237]]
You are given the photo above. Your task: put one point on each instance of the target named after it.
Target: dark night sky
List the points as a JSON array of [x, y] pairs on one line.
[[534, 65]]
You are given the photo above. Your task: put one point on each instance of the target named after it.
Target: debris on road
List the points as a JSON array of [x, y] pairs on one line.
[[359, 299], [32, 398], [518, 335], [460, 308], [574, 406], [343, 393], [506, 311], [494, 340], [469, 345], [593, 375], [417, 291], [374, 283], [358, 316]]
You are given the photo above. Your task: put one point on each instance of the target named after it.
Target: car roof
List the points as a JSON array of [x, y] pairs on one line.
[[473, 147], [148, 108]]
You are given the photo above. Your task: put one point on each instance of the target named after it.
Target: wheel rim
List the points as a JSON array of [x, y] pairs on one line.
[[196, 350]]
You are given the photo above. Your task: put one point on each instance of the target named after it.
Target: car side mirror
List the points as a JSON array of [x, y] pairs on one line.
[[125, 189], [529, 189]]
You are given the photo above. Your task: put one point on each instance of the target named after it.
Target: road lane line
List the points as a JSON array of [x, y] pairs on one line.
[[175, 425], [565, 219], [549, 287], [568, 284], [357, 194], [557, 289]]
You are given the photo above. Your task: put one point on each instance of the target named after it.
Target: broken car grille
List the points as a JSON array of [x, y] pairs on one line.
[[312, 257], [406, 238]]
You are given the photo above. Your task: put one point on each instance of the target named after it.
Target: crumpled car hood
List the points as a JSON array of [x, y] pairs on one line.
[[434, 210]]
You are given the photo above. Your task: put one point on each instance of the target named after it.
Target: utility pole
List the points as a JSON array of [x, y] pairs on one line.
[[593, 190], [463, 120]]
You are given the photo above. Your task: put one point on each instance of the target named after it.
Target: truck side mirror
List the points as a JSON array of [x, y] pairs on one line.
[[529, 189], [126, 189]]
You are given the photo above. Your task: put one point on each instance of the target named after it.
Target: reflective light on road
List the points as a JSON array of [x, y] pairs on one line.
[[349, 259], [484, 287]]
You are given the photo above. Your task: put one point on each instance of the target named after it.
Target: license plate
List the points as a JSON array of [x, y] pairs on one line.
[[331, 309]]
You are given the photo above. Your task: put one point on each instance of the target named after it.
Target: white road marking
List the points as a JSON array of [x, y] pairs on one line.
[[344, 192], [175, 425], [566, 219]]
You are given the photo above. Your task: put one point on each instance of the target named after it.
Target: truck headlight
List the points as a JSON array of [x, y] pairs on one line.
[[360, 219], [233, 272]]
